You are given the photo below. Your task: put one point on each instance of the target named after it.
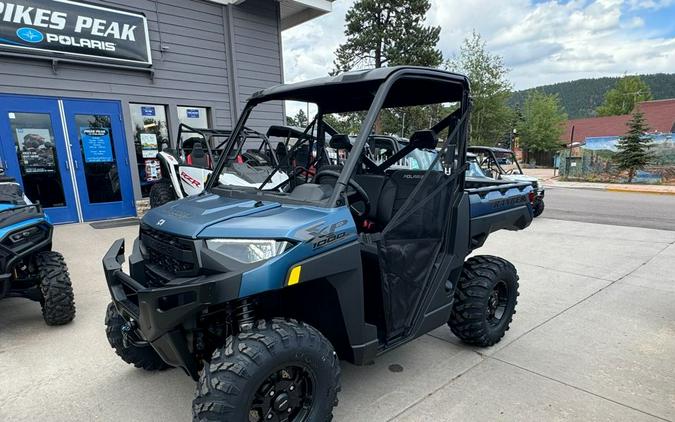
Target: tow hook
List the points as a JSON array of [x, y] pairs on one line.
[[128, 328]]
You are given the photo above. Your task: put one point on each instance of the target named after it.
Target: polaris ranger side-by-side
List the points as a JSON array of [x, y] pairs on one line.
[[28, 266], [257, 293], [502, 164]]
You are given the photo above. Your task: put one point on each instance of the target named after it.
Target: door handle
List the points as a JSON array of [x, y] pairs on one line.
[[67, 165], [76, 166]]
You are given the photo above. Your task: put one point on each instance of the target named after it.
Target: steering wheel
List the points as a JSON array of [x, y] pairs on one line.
[[358, 194], [510, 171]]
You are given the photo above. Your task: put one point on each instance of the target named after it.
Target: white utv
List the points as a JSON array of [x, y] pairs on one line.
[[184, 171]]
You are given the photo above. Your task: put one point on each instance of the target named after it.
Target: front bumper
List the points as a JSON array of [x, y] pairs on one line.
[[164, 316]]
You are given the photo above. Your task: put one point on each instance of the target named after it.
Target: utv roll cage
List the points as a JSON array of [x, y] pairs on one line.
[[492, 152], [369, 90], [210, 136]]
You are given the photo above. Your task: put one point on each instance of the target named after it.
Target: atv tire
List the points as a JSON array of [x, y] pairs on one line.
[[141, 357], [270, 370], [485, 300], [538, 207], [56, 290], [161, 193]]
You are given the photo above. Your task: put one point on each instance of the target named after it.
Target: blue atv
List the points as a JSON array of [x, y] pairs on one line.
[[258, 292], [28, 266]]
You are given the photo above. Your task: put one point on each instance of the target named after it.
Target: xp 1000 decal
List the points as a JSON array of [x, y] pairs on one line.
[[84, 31]]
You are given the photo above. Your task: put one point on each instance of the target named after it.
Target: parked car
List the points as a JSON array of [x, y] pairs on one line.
[[502, 164], [257, 293]]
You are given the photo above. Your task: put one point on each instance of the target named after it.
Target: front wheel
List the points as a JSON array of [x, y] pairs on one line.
[[538, 207], [280, 370], [485, 300], [56, 290], [141, 356], [161, 193]]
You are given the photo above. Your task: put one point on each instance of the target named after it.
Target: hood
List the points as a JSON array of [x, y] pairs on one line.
[[211, 215], [190, 216], [519, 178]]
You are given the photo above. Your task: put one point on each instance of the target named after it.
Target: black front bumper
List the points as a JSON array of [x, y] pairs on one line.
[[164, 316]]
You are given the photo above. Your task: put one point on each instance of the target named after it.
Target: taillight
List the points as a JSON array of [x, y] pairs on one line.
[[532, 196]]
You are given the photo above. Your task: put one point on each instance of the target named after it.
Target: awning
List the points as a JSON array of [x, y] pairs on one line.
[[294, 12]]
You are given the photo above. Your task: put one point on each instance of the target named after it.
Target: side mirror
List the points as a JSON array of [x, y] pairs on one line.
[[423, 139], [341, 141]]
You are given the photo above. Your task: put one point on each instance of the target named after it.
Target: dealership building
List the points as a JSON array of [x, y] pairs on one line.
[[89, 91]]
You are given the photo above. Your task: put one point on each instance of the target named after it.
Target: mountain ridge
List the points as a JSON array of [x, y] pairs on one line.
[[581, 97]]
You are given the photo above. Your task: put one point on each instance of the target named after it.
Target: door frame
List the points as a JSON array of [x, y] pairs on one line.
[[99, 211], [24, 104]]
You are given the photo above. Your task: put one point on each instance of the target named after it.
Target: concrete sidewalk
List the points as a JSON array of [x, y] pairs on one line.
[[593, 339]]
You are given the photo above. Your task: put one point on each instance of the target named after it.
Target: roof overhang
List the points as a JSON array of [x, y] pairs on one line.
[[294, 12]]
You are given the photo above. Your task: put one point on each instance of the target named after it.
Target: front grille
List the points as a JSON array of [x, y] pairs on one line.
[[169, 253]]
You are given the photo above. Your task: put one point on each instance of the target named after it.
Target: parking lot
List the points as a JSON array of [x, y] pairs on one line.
[[593, 339]]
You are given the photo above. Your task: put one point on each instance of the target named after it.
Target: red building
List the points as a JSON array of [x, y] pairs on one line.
[[660, 116]]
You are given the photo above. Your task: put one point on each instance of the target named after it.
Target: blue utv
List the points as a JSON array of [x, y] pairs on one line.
[[28, 266], [257, 293]]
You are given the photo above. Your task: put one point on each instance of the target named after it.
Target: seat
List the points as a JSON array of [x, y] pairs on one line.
[[397, 188], [199, 158]]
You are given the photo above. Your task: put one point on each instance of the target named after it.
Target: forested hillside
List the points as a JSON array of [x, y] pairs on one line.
[[581, 97]]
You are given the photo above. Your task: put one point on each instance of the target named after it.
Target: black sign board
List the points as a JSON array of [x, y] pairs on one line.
[[64, 28]]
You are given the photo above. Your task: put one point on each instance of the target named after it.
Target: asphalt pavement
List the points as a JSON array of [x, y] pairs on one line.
[[646, 210], [593, 340]]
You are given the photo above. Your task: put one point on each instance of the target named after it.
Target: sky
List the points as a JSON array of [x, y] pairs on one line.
[[541, 42]]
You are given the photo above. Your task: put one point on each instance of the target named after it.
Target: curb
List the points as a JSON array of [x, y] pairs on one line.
[[629, 190], [613, 189]]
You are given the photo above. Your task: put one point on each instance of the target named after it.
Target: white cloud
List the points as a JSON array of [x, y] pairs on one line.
[[542, 42]]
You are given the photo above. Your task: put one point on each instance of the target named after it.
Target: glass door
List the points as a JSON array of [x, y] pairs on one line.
[[100, 159], [34, 153]]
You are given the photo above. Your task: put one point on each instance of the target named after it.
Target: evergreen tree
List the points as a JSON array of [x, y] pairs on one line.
[[491, 116], [388, 33], [633, 148], [542, 123], [621, 99]]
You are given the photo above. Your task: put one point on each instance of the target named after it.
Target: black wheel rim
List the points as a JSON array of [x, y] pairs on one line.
[[286, 395], [497, 302]]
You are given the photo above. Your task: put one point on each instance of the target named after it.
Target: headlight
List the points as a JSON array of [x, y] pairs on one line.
[[248, 251]]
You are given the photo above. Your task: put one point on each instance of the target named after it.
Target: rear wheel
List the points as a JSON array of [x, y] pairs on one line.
[[538, 207], [140, 356], [278, 371], [485, 300], [56, 290], [161, 193]]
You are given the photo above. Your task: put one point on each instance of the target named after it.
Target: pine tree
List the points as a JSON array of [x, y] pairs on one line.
[[633, 148], [388, 33]]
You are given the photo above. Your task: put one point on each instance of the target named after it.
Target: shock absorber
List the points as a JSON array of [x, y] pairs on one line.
[[245, 313]]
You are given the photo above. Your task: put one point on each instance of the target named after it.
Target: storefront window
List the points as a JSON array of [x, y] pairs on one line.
[[150, 133], [195, 117]]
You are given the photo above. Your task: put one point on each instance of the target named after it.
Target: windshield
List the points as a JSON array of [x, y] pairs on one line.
[[507, 161], [474, 169]]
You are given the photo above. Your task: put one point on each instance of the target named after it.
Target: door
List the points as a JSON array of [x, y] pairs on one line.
[[33, 151], [100, 159]]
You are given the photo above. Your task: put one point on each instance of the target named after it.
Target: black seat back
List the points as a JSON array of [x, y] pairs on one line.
[[398, 187], [198, 157]]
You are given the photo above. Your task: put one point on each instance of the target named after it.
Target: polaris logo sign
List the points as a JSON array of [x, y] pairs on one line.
[[63, 28]]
